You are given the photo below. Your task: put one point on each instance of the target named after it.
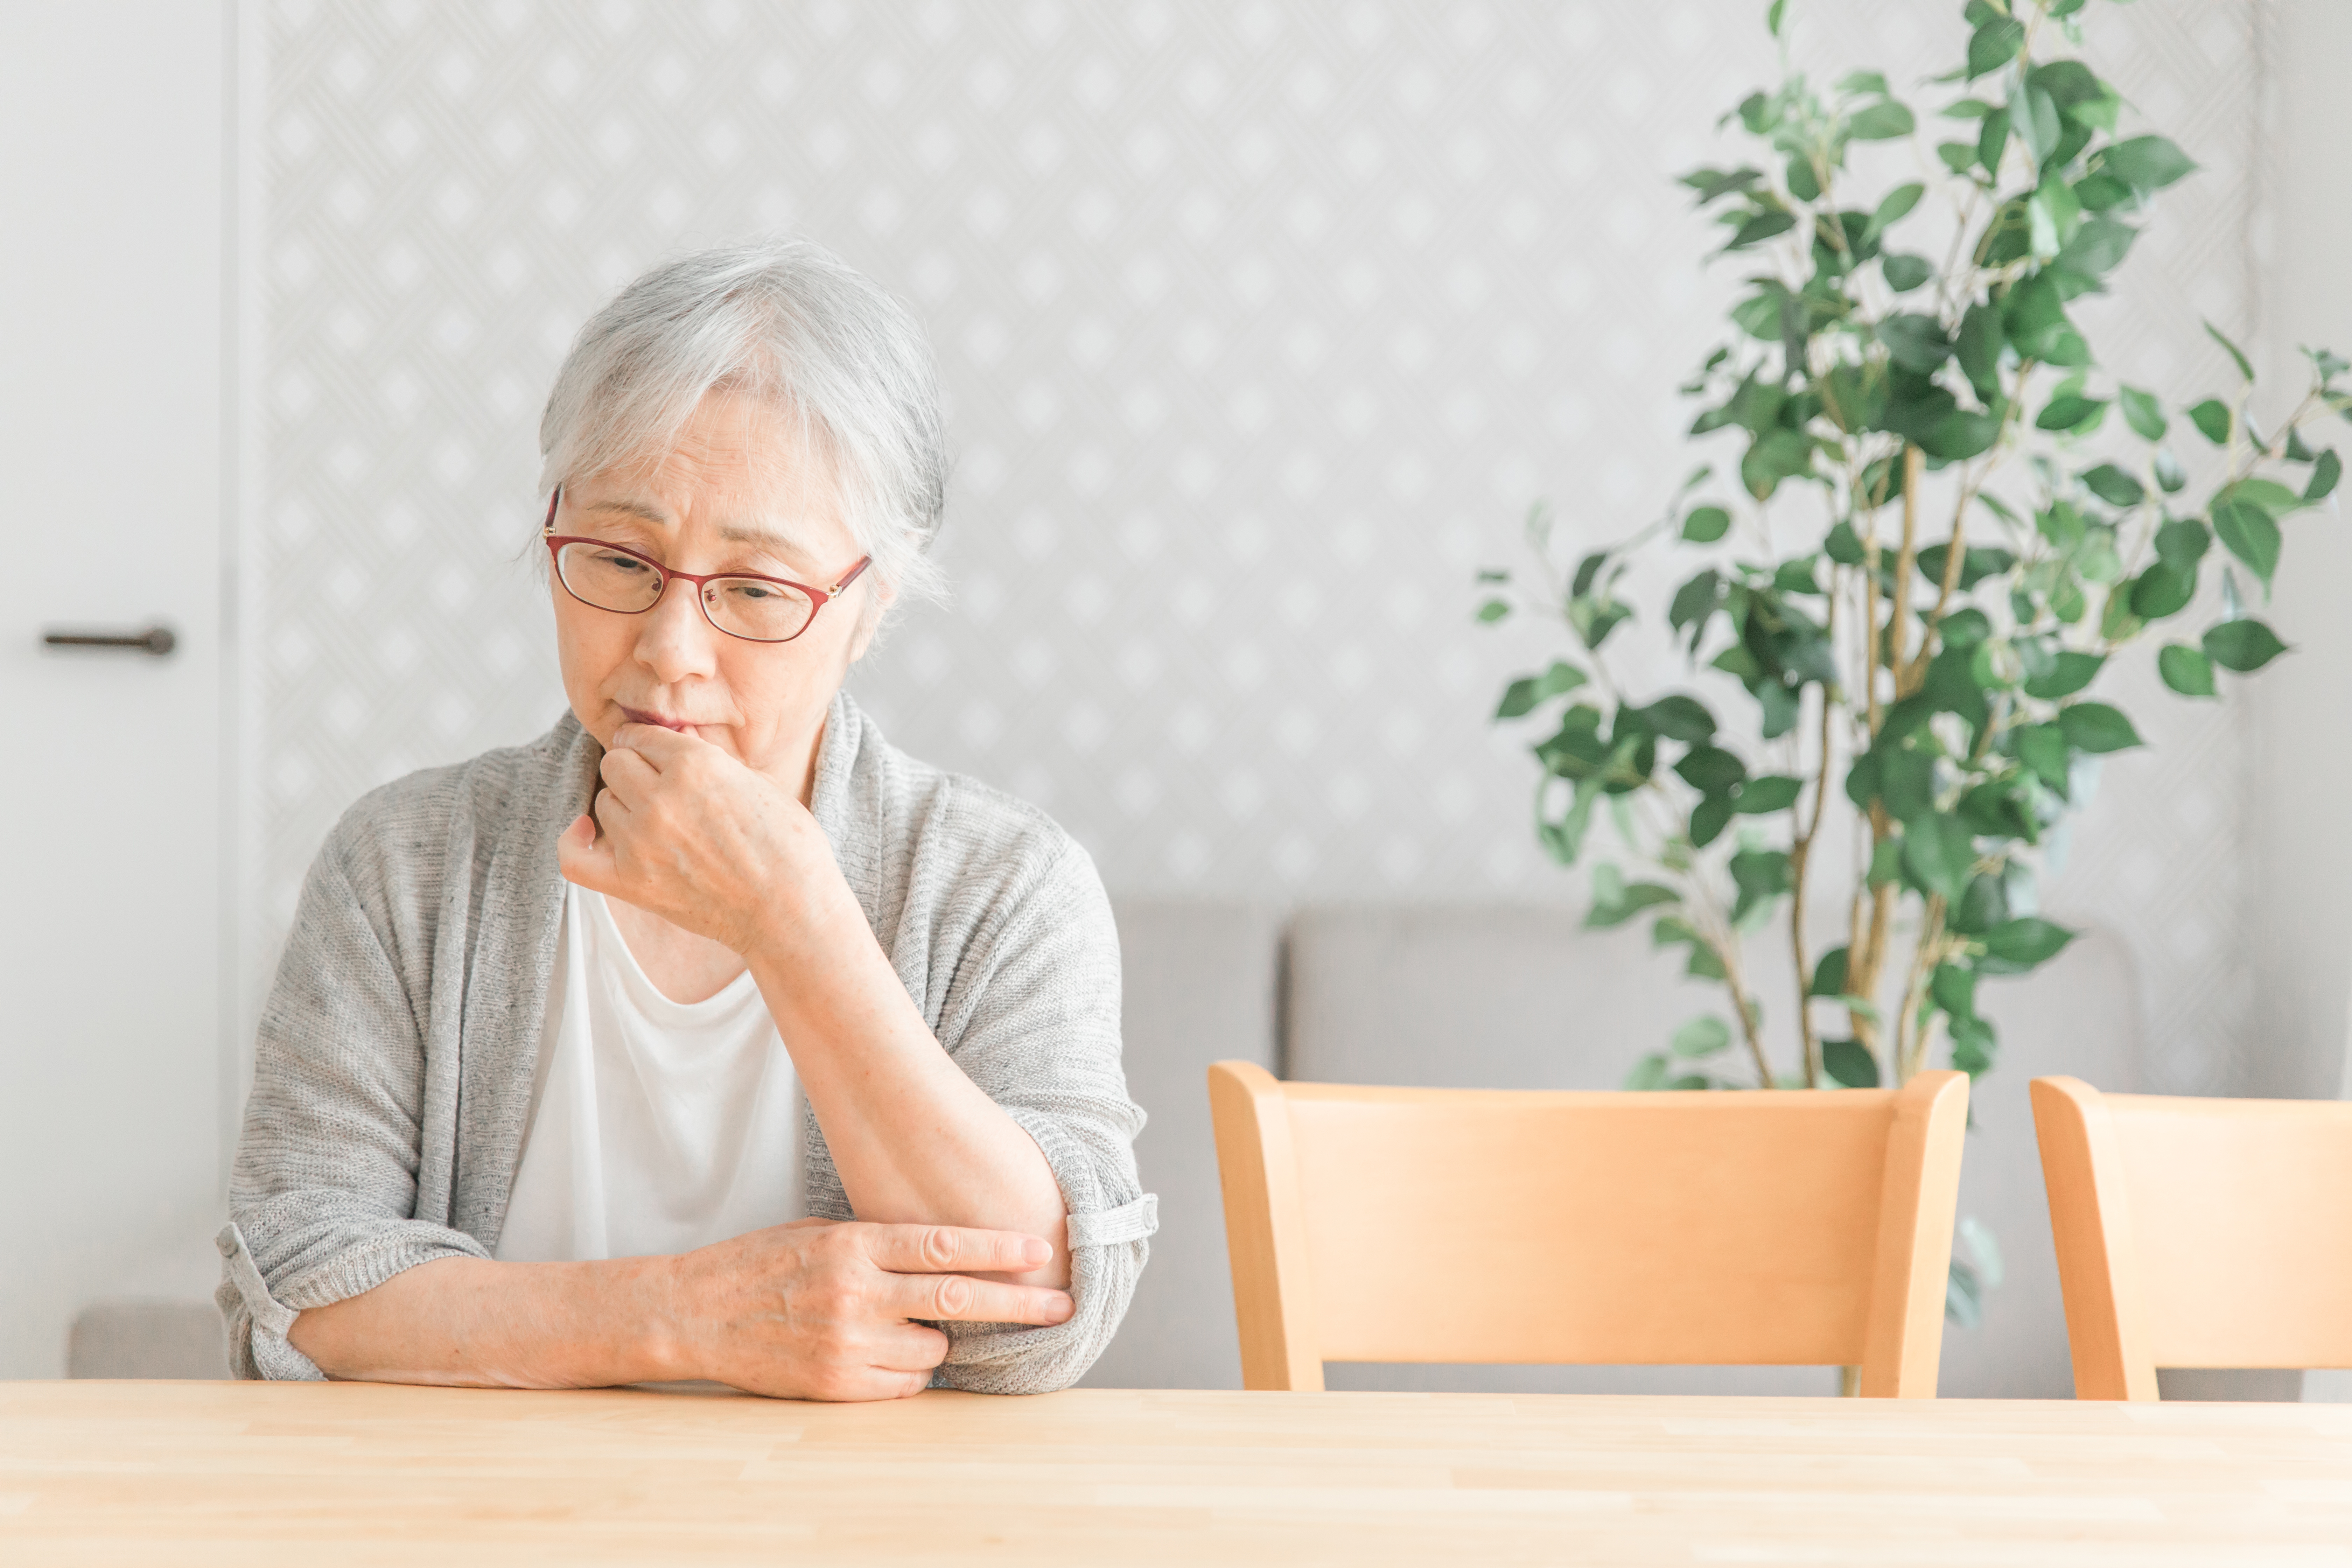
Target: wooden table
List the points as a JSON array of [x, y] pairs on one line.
[[250, 1474]]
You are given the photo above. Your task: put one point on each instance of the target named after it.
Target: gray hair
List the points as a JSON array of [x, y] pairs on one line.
[[788, 322]]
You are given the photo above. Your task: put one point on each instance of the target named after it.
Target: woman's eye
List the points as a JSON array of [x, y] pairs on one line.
[[620, 563]]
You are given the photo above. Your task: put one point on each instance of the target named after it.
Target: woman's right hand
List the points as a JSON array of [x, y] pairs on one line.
[[819, 1309]]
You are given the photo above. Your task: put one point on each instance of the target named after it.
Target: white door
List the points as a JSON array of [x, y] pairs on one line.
[[113, 116]]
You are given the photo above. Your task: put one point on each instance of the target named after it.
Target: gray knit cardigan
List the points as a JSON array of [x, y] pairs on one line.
[[394, 1070]]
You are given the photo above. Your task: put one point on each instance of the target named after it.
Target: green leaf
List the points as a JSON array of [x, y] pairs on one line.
[[1985, 904], [1979, 349], [1898, 202], [2142, 412], [1982, 561], [2145, 163], [1886, 863], [1522, 695], [2186, 671], [2027, 942], [1797, 576], [2268, 495], [2162, 591], [2245, 365], [1829, 975], [1711, 770], [1702, 1036], [1992, 141], [2071, 673], [1676, 717], [2243, 645], [1880, 122], [1775, 456], [1695, 600], [1938, 851], [2249, 533], [2324, 475], [1960, 434], [2181, 542], [1772, 792], [1707, 524], [1954, 989], [2070, 84], [2099, 245], [1915, 342], [2100, 192], [1802, 183], [1708, 818], [1972, 1043], [1762, 876], [1630, 901], [1850, 1063], [1712, 185], [2114, 486], [1842, 545], [1649, 1074], [1759, 228], [1492, 610], [1905, 273], [2212, 418], [2070, 413], [1774, 14], [1905, 781], [2169, 477], [2096, 727], [2043, 748], [1994, 45], [2035, 119]]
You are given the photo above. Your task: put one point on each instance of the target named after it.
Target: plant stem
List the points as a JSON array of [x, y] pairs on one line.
[[1728, 956], [1866, 951], [1910, 1031], [1800, 851]]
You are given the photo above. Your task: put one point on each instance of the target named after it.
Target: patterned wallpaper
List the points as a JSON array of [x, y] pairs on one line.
[[1262, 326]]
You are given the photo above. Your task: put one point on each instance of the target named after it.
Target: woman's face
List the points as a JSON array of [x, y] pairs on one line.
[[735, 494]]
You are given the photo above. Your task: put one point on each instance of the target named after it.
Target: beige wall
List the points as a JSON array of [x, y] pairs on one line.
[[2300, 832]]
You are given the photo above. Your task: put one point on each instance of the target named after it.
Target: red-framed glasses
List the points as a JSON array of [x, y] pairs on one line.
[[607, 576]]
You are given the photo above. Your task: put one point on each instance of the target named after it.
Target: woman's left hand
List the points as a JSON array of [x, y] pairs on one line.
[[693, 836]]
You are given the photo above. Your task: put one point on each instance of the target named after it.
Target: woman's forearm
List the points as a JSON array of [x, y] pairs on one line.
[[915, 1141], [470, 1322]]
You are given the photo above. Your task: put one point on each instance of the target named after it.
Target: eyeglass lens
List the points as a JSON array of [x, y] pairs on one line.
[[747, 607]]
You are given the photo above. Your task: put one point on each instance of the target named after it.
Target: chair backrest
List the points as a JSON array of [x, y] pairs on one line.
[[1793, 1227], [2206, 1233]]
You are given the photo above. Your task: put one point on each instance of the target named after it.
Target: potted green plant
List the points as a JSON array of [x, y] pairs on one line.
[[1935, 526]]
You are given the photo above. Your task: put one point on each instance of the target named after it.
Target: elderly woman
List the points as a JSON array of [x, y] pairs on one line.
[[709, 1036]]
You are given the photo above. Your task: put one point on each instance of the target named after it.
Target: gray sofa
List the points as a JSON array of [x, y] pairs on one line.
[[1502, 997]]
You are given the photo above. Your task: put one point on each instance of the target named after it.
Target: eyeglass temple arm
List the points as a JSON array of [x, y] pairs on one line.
[[853, 573]]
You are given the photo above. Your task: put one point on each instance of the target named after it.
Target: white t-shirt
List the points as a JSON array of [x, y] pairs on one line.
[[657, 1126]]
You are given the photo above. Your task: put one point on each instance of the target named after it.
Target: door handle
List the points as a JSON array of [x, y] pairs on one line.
[[155, 640]]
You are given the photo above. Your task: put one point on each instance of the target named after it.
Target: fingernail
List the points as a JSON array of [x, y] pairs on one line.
[[1037, 1253], [1062, 1308]]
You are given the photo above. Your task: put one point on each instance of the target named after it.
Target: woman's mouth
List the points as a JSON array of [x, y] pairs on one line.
[[639, 716]]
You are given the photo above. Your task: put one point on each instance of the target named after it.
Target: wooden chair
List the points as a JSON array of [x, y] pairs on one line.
[[2209, 1232], [1409, 1225]]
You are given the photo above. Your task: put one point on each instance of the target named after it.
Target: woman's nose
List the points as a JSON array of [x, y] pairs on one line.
[[676, 639]]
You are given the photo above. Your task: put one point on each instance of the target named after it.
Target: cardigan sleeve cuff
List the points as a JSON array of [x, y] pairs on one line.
[[274, 1356]]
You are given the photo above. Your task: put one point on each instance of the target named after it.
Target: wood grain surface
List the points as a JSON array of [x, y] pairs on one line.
[[256, 1473]]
